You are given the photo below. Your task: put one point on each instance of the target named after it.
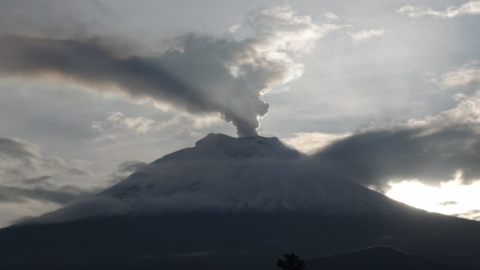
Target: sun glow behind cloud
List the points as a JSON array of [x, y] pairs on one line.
[[450, 198], [417, 162]]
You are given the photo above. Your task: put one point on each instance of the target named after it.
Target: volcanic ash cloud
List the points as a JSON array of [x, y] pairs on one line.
[[199, 74]]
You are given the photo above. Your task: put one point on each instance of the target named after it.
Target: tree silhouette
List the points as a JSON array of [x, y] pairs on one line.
[[290, 262]]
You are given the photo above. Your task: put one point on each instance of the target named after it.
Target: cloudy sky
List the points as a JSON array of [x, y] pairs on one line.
[[383, 93]]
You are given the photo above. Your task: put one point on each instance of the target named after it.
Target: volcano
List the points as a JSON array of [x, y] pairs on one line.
[[248, 175], [232, 203]]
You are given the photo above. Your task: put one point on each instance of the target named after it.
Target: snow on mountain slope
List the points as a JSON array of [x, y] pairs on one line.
[[228, 174], [220, 146]]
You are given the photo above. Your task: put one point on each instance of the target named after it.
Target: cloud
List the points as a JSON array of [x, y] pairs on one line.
[[125, 169], [472, 214], [95, 207], [60, 195], [234, 28], [364, 35], [118, 126], [199, 74], [20, 159], [141, 125], [435, 149], [31, 183], [470, 8], [130, 166], [36, 180], [51, 17], [449, 198], [330, 16], [448, 203], [467, 74], [310, 143]]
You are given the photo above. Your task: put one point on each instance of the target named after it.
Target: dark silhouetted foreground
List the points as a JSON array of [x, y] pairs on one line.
[[376, 258], [290, 262]]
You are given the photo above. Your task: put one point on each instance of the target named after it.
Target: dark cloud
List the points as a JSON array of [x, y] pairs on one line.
[[27, 175], [36, 180], [62, 195], [214, 91], [200, 74], [93, 207], [17, 148], [22, 161], [126, 168], [431, 151], [130, 166]]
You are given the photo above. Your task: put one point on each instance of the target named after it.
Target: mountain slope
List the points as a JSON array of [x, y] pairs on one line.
[[228, 174]]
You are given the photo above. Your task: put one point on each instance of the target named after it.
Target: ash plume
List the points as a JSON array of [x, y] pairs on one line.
[[201, 74]]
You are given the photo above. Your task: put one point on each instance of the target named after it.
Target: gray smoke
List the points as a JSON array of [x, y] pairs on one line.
[[436, 149], [200, 74]]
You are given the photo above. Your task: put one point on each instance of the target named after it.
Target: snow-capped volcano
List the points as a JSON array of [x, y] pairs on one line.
[[238, 204], [228, 174]]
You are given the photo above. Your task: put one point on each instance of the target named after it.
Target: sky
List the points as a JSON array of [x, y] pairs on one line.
[[384, 93]]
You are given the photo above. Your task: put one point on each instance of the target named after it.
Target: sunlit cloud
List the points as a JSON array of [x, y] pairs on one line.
[[470, 8], [309, 143], [464, 75], [234, 28], [117, 125], [471, 214]]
